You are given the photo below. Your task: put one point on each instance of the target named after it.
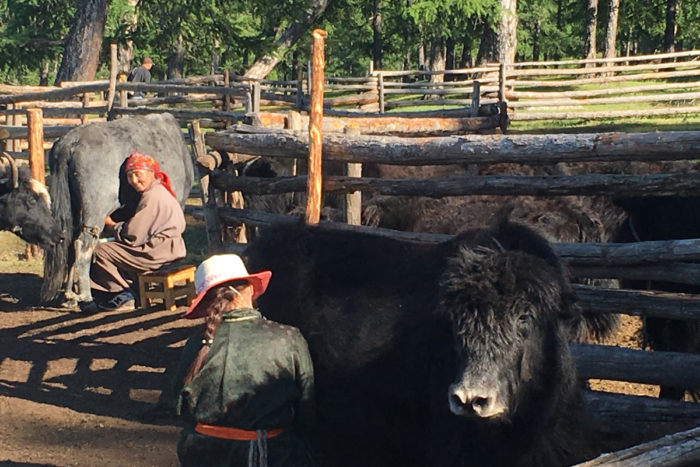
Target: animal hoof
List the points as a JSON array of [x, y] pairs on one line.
[[70, 305], [89, 308]]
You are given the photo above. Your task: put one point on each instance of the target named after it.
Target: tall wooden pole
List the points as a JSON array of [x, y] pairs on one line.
[[35, 124], [113, 69], [314, 187]]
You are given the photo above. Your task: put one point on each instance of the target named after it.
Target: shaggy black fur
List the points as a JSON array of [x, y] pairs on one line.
[[665, 218], [392, 325]]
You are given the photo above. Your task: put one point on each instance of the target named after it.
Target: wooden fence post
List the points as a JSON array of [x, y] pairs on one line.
[[256, 97], [113, 68], [300, 88], [380, 90], [476, 97], [206, 189], [85, 102], [123, 98], [502, 82], [9, 142], [353, 201], [35, 126], [226, 105], [314, 188]]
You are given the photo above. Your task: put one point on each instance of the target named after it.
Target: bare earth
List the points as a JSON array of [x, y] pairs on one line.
[[73, 387]]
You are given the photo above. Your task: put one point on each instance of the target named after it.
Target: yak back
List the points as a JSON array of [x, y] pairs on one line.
[[360, 299]]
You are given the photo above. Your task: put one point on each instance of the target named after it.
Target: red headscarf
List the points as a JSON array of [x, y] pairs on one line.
[[138, 161]]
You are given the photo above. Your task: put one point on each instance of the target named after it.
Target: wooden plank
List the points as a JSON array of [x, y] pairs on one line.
[[522, 149], [640, 418], [594, 115], [678, 449], [636, 366], [678, 273], [638, 303], [678, 184]]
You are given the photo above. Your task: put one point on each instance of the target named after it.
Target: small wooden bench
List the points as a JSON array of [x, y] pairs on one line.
[[167, 284]]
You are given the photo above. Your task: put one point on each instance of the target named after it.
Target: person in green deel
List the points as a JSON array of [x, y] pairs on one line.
[[247, 396]]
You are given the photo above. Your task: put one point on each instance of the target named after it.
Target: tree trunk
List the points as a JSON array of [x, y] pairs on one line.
[[265, 64], [449, 55], [44, 73], [499, 45], [610, 44], [671, 26], [488, 52], [82, 51], [436, 59], [589, 45], [507, 29], [176, 59], [125, 52], [465, 59], [536, 41], [215, 56], [377, 36]]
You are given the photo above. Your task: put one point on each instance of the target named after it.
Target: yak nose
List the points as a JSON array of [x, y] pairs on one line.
[[478, 401]]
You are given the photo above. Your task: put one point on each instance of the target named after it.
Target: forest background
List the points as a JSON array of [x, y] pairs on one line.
[[47, 41]]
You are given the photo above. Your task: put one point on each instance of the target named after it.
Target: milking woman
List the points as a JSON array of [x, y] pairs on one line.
[[247, 393], [146, 241]]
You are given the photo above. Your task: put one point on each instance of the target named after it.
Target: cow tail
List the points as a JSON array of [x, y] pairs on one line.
[[56, 257]]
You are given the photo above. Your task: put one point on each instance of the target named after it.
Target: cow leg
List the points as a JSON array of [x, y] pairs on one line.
[[84, 247]]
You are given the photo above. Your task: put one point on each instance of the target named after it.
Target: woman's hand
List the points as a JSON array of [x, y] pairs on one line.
[[109, 222]]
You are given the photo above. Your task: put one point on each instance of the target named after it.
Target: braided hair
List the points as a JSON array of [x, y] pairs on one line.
[[216, 302]]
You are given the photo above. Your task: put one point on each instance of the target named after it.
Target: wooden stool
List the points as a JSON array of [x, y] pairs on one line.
[[167, 284]]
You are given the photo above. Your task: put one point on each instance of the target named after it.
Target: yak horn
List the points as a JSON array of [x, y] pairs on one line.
[[13, 169]]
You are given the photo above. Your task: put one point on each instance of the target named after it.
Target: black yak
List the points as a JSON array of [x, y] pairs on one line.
[[25, 206], [432, 354], [85, 187], [666, 218]]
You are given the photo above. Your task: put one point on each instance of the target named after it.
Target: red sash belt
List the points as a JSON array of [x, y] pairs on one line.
[[236, 434]]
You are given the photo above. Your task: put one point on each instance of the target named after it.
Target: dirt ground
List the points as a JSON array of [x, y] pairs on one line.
[[73, 388]]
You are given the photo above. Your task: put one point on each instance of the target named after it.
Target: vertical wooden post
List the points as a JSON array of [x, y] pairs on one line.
[[113, 65], [380, 90], [123, 98], [227, 99], [353, 201], [207, 194], [314, 188], [300, 88], [256, 97], [85, 102], [502, 82], [476, 96], [249, 98], [35, 124], [9, 142]]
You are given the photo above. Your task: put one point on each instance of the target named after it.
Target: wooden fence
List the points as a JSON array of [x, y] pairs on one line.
[[664, 260]]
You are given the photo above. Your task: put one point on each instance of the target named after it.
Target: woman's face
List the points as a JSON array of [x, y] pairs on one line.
[[140, 179]]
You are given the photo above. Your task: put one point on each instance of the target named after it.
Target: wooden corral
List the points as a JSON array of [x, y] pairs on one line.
[[617, 415]]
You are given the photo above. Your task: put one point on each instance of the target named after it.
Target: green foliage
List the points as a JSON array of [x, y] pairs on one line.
[[238, 31], [29, 32]]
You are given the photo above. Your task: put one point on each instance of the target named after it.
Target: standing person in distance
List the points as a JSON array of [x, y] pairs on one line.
[[141, 74], [247, 393]]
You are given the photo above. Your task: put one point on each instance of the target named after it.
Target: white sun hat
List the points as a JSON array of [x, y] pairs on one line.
[[219, 269]]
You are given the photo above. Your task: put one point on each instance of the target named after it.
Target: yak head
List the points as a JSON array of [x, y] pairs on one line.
[[510, 307], [25, 206]]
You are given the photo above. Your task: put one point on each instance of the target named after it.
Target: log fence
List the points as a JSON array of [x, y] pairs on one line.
[[669, 261], [382, 140]]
